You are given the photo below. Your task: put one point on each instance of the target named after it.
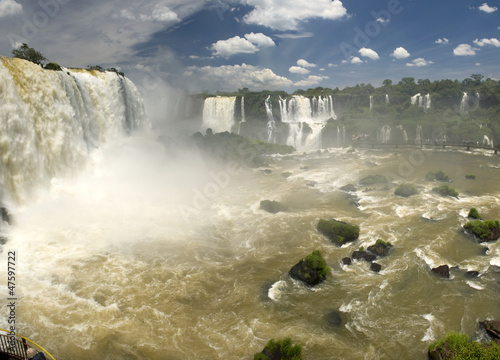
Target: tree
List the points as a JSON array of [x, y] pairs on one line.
[[387, 82], [30, 54]]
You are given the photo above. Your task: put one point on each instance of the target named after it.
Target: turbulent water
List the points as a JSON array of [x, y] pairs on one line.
[[148, 257]]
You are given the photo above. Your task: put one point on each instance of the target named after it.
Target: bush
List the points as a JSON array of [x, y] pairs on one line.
[[30, 54], [316, 261], [484, 230], [338, 232], [437, 176], [406, 190], [52, 66], [445, 190], [280, 350], [458, 347], [373, 179], [470, 176], [474, 214]]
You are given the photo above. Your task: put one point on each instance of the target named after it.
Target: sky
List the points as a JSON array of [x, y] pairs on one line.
[[196, 45]]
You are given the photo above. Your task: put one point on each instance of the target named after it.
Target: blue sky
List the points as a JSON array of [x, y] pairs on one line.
[[261, 44]]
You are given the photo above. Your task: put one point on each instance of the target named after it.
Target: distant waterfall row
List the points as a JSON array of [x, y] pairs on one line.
[[49, 120], [422, 101]]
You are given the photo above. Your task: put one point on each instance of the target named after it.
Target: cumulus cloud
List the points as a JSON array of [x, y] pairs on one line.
[[464, 50], [400, 53], [298, 70], [488, 9], [382, 20], [286, 15], [356, 60], [420, 62], [442, 41], [311, 80], [160, 13], [252, 43], [230, 77], [483, 42], [9, 8], [304, 63], [369, 53]]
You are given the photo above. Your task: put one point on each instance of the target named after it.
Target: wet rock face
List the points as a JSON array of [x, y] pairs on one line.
[[375, 267], [492, 327], [363, 255], [272, 207], [443, 271]]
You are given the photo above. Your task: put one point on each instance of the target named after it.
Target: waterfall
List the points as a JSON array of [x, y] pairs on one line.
[[464, 104], [487, 141], [387, 99], [427, 102], [306, 118], [340, 136], [415, 99], [384, 135], [421, 101], [50, 120], [371, 102], [271, 126], [218, 113], [242, 109], [418, 138]]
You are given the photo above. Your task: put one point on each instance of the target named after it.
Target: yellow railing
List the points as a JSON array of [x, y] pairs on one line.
[[24, 345]]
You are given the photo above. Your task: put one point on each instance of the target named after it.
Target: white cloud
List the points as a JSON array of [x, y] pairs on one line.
[[311, 80], [478, 64], [464, 50], [356, 60], [260, 40], [10, 7], [420, 62], [304, 63], [295, 36], [400, 53], [194, 57], [322, 69], [287, 15], [252, 43], [160, 13], [442, 41], [230, 77], [369, 53], [488, 9], [298, 70], [382, 20], [483, 42]]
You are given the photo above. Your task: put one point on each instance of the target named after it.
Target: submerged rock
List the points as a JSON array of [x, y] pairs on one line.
[[4, 214], [272, 206], [375, 267], [348, 188], [443, 271], [346, 261], [311, 270], [286, 174], [357, 255], [334, 319], [472, 274]]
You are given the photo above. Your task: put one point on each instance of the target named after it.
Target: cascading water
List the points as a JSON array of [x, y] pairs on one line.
[[427, 102], [301, 114], [371, 102], [387, 99], [242, 109], [415, 99], [464, 104], [384, 135], [418, 138], [49, 120], [218, 113], [271, 125], [487, 141], [421, 101]]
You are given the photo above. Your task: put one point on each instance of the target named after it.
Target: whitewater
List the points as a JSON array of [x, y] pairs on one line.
[[110, 268]]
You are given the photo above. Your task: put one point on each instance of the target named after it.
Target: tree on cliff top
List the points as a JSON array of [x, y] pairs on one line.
[[30, 54]]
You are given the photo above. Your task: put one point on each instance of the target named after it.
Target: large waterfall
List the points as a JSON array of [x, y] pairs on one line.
[[218, 113], [422, 101], [306, 118], [49, 120]]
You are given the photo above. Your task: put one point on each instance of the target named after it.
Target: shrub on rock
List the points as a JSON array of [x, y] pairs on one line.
[[380, 248], [488, 230], [338, 232], [457, 346], [437, 176], [280, 350], [373, 179], [311, 270], [445, 190], [474, 214], [406, 190]]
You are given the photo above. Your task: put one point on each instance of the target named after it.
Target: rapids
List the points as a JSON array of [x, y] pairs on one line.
[[110, 267]]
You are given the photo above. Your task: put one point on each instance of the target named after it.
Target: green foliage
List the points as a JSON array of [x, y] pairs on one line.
[[437, 176], [474, 214], [338, 232], [280, 350], [383, 243], [95, 67], [52, 66], [470, 176], [458, 347], [316, 261], [30, 54], [482, 229], [445, 190], [373, 179], [406, 190]]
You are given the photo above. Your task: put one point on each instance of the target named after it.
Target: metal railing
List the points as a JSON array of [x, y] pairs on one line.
[[13, 347]]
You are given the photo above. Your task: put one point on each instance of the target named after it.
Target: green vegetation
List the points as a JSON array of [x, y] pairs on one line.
[[373, 179], [380, 248], [474, 214], [280, 350], [445, 190], [338, 232], [315, 261], [485, 230], [30, 54], [437, 176], [470, 176], [458, 347], [312, 270], [52, 66], [101, 69], [406, 190]]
